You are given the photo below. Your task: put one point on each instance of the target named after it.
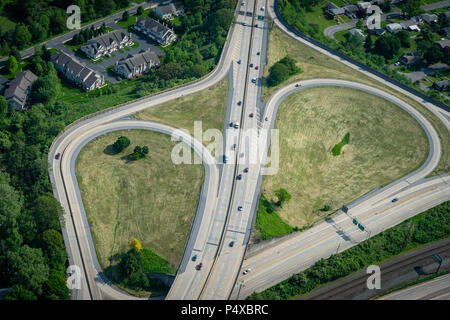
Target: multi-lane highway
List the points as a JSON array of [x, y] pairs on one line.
[[227, 204], [436, 289]]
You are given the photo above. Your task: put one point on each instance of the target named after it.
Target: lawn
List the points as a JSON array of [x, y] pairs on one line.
[[315, 64], [150, 199], [208, 106], [311, 122]]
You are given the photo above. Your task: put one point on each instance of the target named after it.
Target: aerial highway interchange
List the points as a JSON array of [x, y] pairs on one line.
[[227, 205]]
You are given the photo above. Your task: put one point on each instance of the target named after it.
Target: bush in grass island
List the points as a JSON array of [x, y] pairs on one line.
[[337, 148]]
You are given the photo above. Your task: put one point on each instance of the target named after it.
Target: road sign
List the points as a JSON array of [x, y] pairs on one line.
[[437, 258], [361, 227], [261, 18], [355, 222]]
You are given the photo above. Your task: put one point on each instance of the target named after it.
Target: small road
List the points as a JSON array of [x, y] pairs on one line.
[[435, 289], [58, 41], [436, 5], [330, 31]]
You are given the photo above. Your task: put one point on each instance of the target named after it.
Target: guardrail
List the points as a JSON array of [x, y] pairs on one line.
[[358, 63]]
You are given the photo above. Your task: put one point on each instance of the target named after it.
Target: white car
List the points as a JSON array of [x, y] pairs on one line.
[[247, 271], [254, 80], [262, 8]]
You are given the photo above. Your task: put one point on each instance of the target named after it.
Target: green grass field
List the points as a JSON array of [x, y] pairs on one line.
[[150, 199], [311, 122], [208, 106], [315, 64]]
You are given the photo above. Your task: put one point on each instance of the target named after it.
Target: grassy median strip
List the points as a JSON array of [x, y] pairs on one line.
[[428, 226], [381, 150], [150, 199]]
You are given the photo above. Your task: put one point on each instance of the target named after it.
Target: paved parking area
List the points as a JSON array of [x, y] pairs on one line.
[[100, 67]]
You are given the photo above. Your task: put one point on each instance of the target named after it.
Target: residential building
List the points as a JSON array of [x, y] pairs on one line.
[[444, 45], [410, 25], [350, 8], [135, 65], [394, 27], [332, 10], [3, 83], [429, 18], [156, 31], [358, 32], [170, 10], [436, 68], [18, 92], [75, 72], [442, 85], [377, 31], [165, 12], [410, 58], [445, 32], [107, 43]]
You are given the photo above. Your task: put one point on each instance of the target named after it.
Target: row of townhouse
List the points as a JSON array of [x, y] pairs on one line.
[[107, 43], [156, 31], [18, 92], [74, 71], [170, 10], [135, 65]]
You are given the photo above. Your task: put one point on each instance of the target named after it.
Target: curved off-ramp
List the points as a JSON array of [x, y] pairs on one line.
[[95, 284], [375, 210]]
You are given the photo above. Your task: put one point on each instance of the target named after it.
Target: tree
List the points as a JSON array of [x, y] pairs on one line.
[[283, 196], [121, 143], [137, 150], [387, 46], [403, 36], [368, 43], [55, 288], [125, 16], [135, 243], [145, 150], [53, 247], [278, 73], [27, 268], [411, 7], [11, 65], [47, 212], [139, 11], [10, 207], [22, 37], [18, 292], [130, 263], [433, 55]]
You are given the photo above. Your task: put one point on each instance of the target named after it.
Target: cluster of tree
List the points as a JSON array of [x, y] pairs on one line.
[[37, 20], [33, 259], [121, 143], [429, 226], [282, 70], [283, 196], [139, 153], [372, 53], [88, 33]]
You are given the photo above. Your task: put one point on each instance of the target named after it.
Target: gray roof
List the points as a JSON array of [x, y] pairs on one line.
[[350, 8], [74, 67], [443, 43], [19, 86], [109, 38], [166, 9], [408, 23], [337, 11], [154, 26], [428, 17], [90, 80], [139, 59]]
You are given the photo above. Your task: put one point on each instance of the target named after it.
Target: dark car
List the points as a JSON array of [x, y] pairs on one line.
[[251, 65], [246, 170], [239, 62], [240, 208], [395, 200], [231, 243], [239, 177], [258, 53], [58, 155], [194, 258], [231, 124], [239, 103], [199, 266]]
